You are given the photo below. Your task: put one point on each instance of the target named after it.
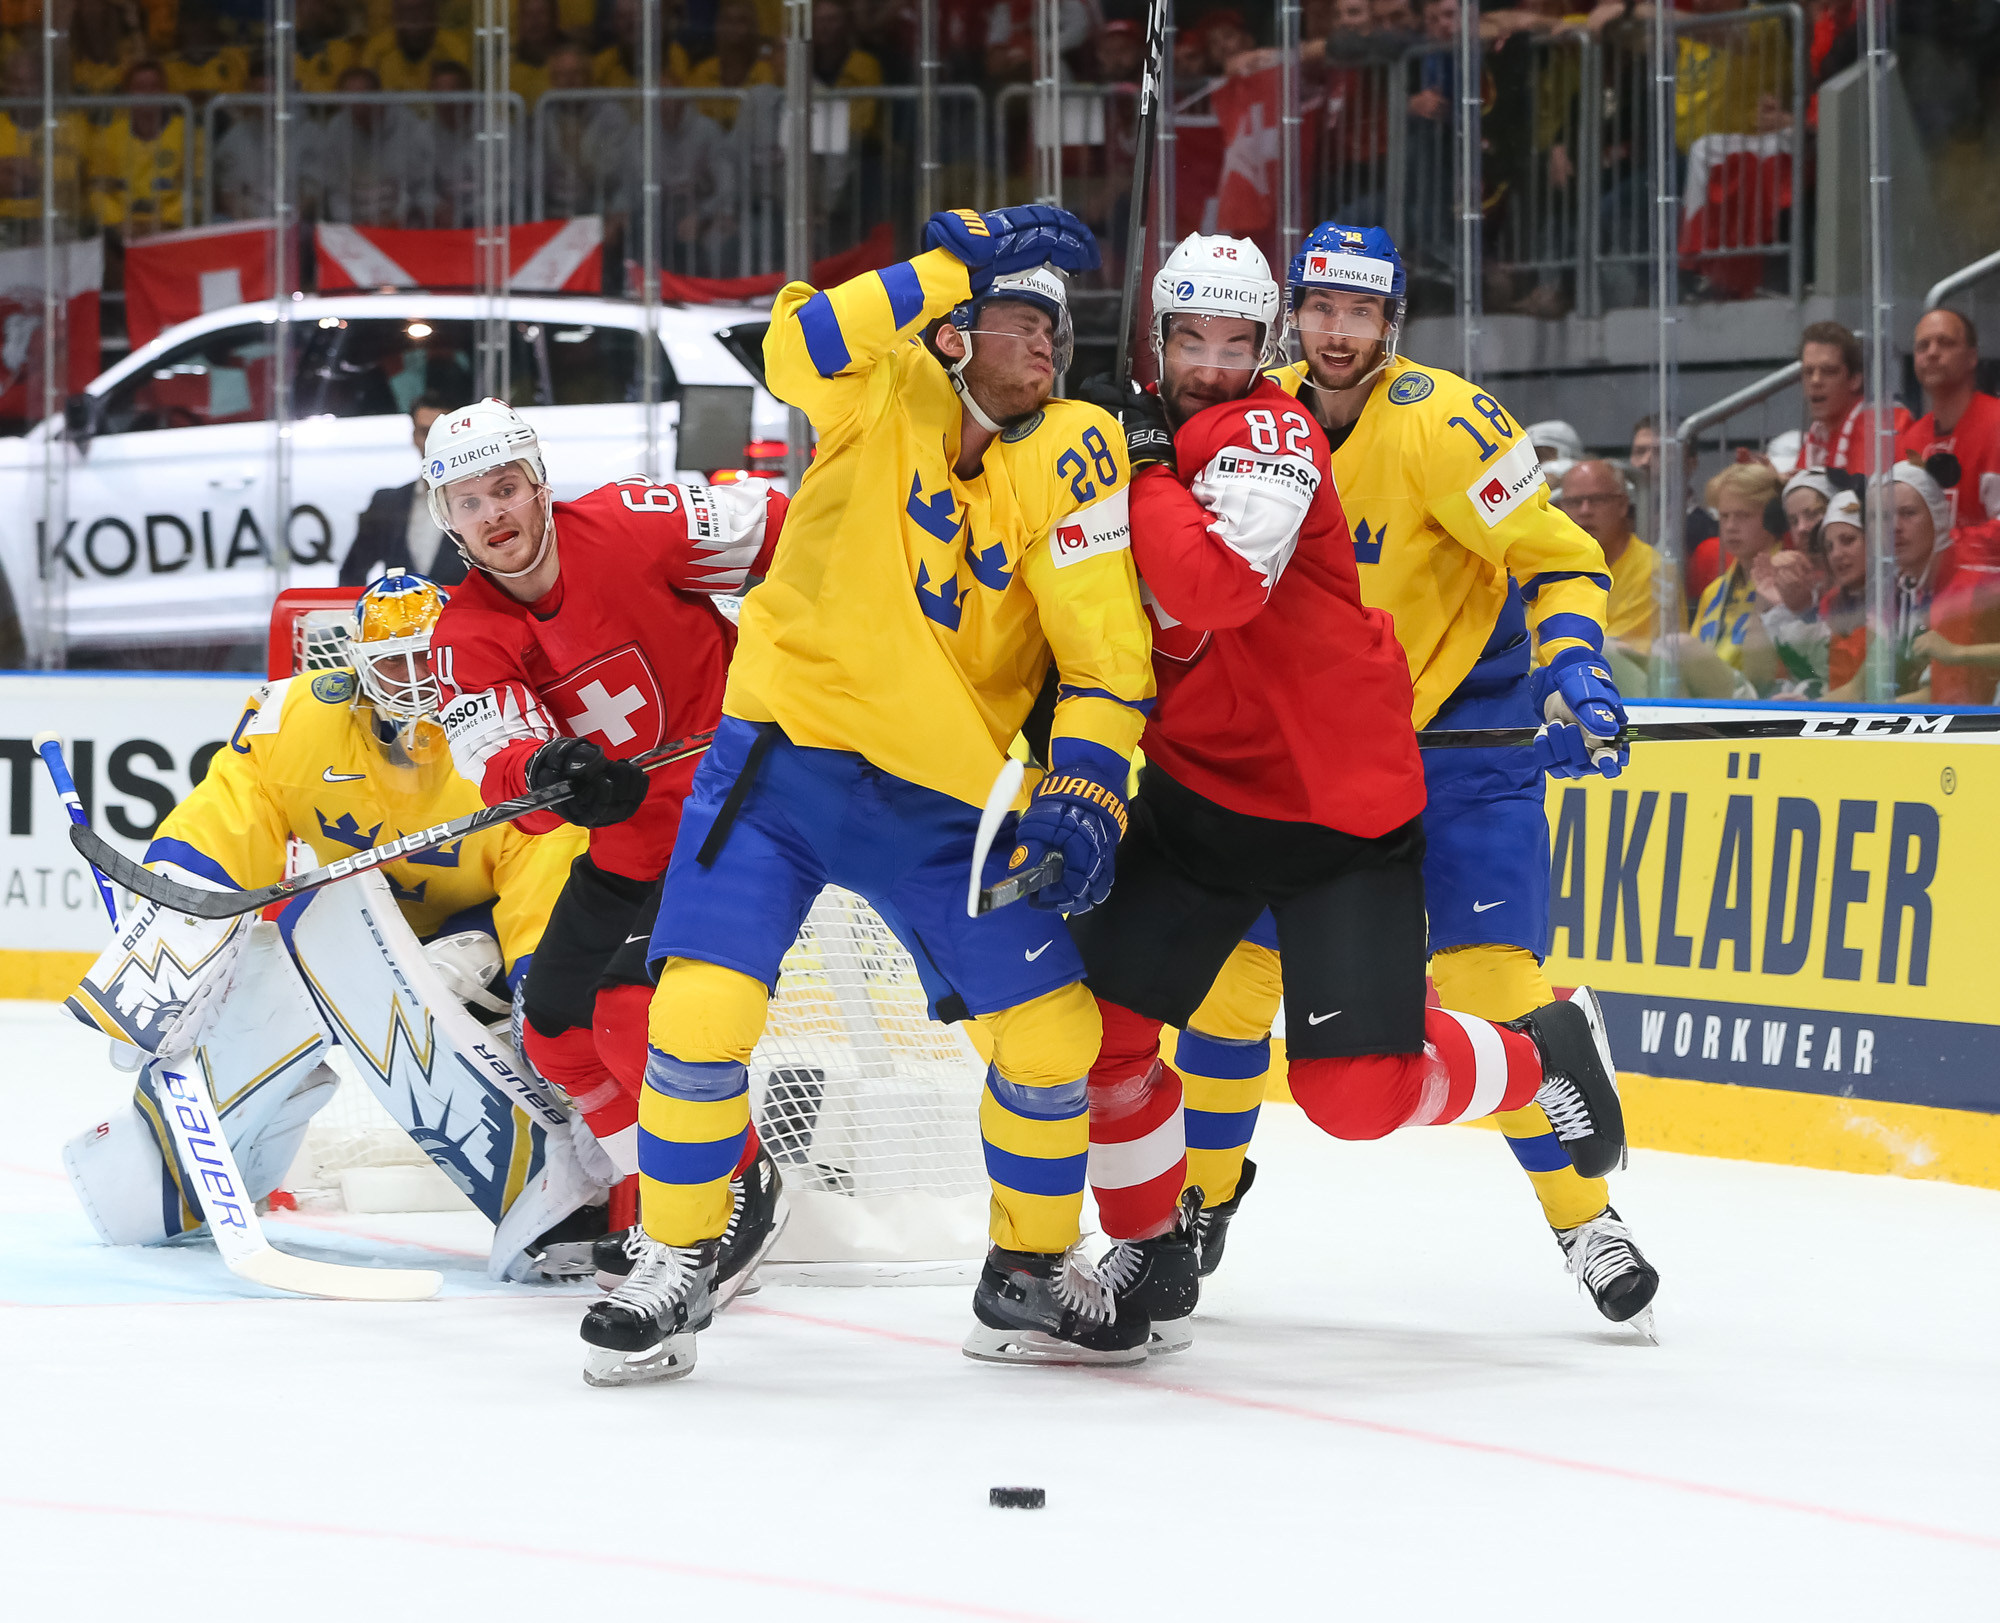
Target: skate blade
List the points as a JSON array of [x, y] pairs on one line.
[[565, 1261], [672, 1359], [991, 1346], [1641, 1325], [1170, 1336], [741, 1283]]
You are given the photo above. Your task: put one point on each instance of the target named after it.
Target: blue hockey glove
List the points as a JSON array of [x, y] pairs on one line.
[[1008, 240], [1074, 814], [1585, 717]]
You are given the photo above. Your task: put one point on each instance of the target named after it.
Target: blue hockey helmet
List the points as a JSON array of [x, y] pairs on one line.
[[1355, 259]]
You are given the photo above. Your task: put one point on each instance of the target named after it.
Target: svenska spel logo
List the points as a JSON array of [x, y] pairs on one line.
[[1492, 494]]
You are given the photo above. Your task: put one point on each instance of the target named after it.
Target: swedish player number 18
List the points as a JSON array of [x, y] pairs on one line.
[[1492, 411]]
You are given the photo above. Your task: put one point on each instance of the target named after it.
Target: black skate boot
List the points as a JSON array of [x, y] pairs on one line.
[[1160, 1278], [1579, 1085], [1612, 1270], [569, 1250], [644, 1331], [755, 1221], [1039, 1307], [1211, 1228]]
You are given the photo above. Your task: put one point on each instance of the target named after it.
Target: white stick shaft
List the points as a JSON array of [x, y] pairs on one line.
[[999, 801]]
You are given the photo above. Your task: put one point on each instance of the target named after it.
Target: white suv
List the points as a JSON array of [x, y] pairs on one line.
[[169, 456]]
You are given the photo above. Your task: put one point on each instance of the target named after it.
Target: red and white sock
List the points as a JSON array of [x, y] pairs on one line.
[[1138, 1137], [1467, 1068]]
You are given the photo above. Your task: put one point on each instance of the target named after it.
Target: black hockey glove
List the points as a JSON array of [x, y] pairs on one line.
[[1140, 412], [603, 791]]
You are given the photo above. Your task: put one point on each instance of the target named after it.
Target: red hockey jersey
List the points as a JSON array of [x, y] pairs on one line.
[[627, 649], [1280, 694]]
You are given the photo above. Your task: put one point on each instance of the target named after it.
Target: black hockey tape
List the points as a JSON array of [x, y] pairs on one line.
[[1017, 1498]]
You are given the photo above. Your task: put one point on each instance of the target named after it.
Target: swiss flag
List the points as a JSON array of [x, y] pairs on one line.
[[614, 700], [183, 274], [80, 265], [543, 256], [1246, 108], [1737, 188]]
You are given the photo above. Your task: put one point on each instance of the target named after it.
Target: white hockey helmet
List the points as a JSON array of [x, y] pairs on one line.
[[476, 439], [1217, 276]]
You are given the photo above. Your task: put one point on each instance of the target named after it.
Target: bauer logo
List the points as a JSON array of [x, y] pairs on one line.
[[1513, 479]]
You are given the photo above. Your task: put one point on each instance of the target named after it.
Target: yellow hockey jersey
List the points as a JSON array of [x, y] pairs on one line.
[[301, 761], [1446, 500], [910, 615]]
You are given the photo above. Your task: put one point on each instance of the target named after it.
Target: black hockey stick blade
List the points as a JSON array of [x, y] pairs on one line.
[[1025, 883], [1833, 724], [1140, 202], [120, 869]]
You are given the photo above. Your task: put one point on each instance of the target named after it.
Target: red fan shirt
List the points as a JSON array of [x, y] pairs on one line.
[[1280, 694], [1975, 440], [627, 648]]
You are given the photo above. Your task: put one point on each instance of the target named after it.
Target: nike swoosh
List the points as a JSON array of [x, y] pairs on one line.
[[648, 936], [1487, 907], [1315, 1019], [1044, 947], [331, 776]]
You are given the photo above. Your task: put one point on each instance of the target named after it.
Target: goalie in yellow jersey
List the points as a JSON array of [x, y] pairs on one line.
[[1499, 602], [407, 969], [959, 531]]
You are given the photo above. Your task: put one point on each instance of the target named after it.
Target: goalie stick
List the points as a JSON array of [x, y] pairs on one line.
[[202, 1148], [228, 904]]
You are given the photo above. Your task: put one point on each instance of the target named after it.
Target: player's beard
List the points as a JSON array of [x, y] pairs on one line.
[[1007, 396], [1186, 397], [1345, 363]]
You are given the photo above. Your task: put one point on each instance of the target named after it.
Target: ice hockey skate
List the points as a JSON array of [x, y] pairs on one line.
[[755, 1222], [1579, 1083], [1612, 1270], [644, 1332], [1160, 1278], [1211, 1227], [1051, 1308]]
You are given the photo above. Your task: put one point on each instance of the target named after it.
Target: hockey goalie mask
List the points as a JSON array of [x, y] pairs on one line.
[[391, 651], [1042, 288], [1208, 277], [483, 470]]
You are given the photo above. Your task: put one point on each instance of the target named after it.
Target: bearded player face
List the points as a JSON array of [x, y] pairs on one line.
[[1342, 335], [1207, 360], [1013, 368]]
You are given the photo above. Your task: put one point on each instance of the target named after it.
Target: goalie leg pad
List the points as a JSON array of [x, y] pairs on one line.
[[461, 1093], [154, 984]]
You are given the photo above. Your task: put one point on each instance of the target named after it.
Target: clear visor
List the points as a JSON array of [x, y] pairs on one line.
[[1350, 317], [395, 674], [487, 499], [1056, 346], [1218, 342]]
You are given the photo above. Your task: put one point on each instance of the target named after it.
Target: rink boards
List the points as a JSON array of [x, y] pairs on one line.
[[1790, 936]]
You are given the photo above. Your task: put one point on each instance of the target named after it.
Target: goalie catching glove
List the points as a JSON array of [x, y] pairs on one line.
[[603, 791], [1009, 240], [1140, 412], [1584, 716], [1082, 820]]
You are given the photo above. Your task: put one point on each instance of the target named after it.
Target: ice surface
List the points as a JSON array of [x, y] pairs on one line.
[[1397, 1407]]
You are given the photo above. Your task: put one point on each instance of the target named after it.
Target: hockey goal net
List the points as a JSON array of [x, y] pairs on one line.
[[869, 1107]]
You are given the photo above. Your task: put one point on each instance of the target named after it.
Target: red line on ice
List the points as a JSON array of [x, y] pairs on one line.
[[595, 1558], [1383, 1428]]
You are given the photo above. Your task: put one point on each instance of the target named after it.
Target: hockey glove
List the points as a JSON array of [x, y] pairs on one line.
[[1009, 240], [1140, 412], [1584, 716], [1075, 815], [603, 791]]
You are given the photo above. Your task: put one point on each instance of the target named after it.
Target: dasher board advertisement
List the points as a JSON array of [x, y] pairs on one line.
[[1807, 914]]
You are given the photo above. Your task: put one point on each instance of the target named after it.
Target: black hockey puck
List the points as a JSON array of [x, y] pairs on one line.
[[1016, 1498]]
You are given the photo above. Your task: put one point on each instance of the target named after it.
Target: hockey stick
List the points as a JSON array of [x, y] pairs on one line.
[[1142, 173], [1835, 724], [983, 899], [188, 1110], [229, 904]]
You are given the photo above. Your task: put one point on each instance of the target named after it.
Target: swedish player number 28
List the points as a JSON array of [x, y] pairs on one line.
[[1071, 466], [1491, 410]]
